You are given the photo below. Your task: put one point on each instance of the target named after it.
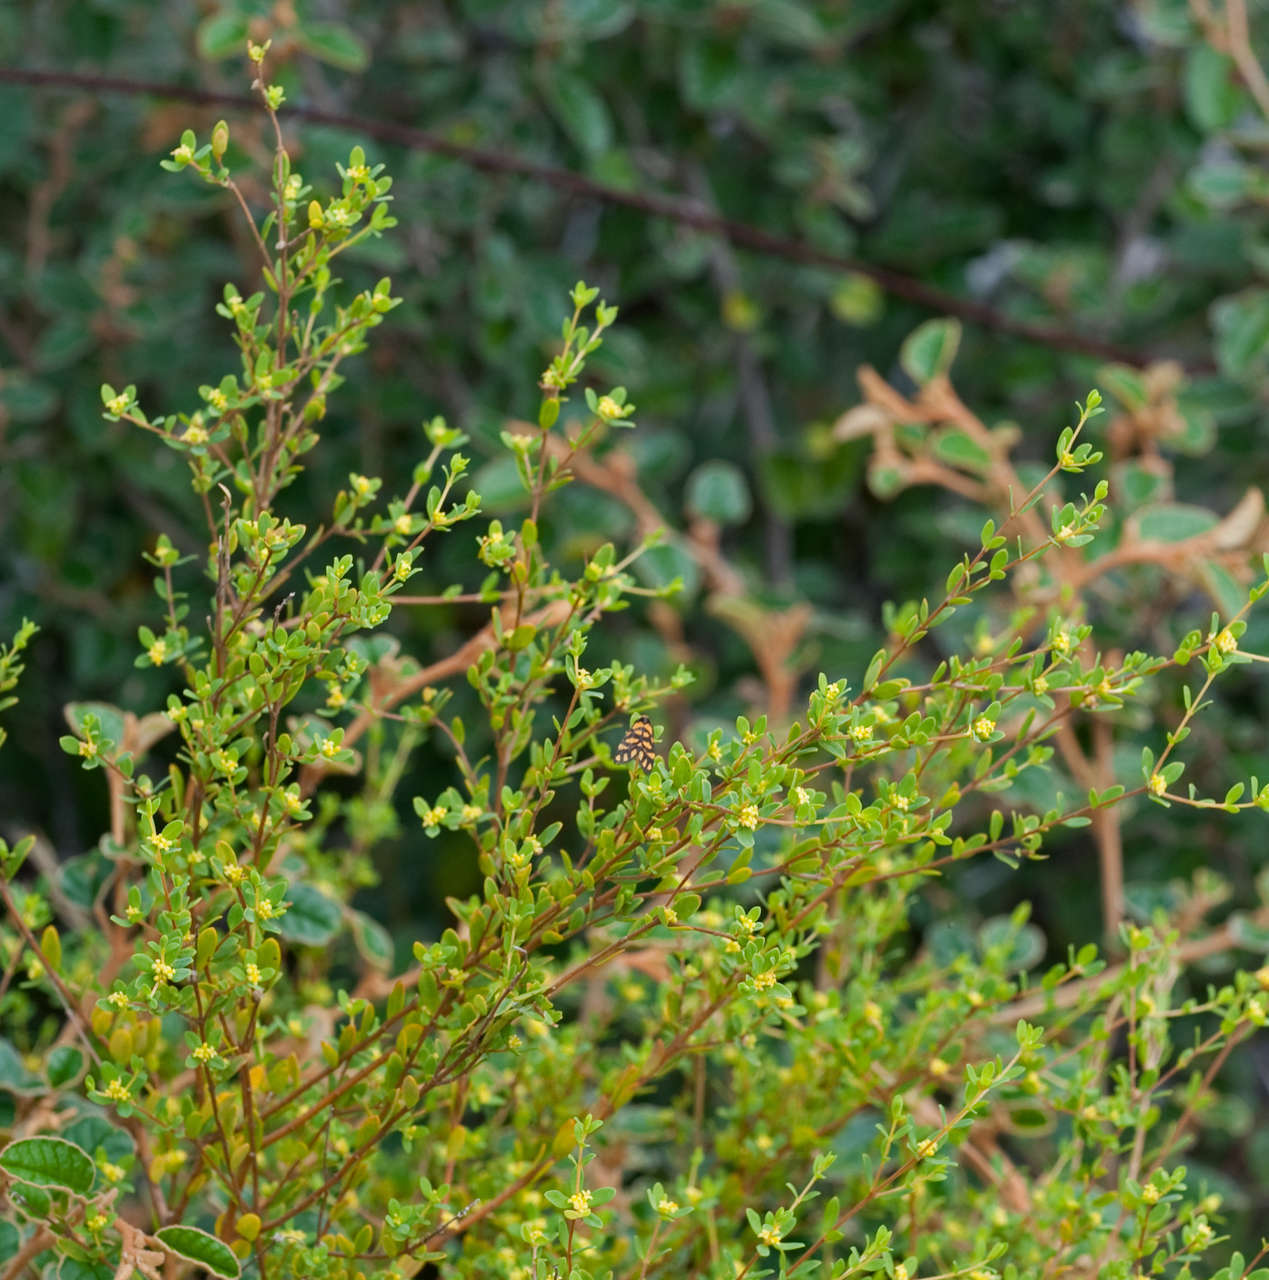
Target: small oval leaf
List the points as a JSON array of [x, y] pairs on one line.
[[195, 1245], [312, 919], [930, 349], [718, 491], [49, 1162]]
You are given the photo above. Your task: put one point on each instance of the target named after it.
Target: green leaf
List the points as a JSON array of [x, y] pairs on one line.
[[196, 1245], [659, 566], [957, 448], [1136, 485], [500, 487], [788, 22], [64, 342], [223, 35], [372, 940], [1024, 945], [1125, 384], [580, 111], [64, 1064], [13, 1073], [35, 1201], [10, 1241], [1221, 183], [718, 491], [857, 300], [799, 487], [83, 1269], [49, 1162], [312, 919], [1229, 594], [710, 74], [94, 1133], [930, 349], [1242, 329], [25, 400], [520, 638], [83, 876], [1213, 96], [109, 718], [1172, 521], [1028, 1119], [334, 44], [1246, 932]]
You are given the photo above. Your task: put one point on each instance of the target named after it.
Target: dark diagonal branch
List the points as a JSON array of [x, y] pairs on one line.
[[677, 209]]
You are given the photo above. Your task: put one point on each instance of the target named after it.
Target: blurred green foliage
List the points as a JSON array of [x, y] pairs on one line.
[[1098, 170]]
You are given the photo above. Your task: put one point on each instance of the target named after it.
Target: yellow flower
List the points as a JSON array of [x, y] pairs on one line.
[[117, 1091], [609, 408]]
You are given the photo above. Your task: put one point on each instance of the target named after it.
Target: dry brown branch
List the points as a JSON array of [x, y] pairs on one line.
[[772, 634], [996, 483], [390, 685]]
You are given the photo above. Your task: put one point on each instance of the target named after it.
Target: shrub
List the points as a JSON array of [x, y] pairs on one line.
[[685, 1026]]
